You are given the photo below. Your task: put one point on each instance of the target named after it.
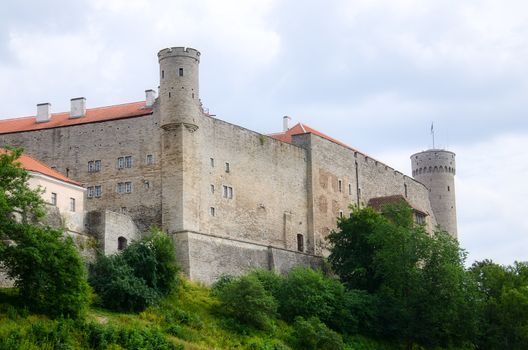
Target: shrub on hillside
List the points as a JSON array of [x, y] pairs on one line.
[[312, 334], [48, 271], [271, 281], [138, 276], [247, 301]]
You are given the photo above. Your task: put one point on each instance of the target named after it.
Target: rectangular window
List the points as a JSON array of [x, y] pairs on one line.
[[405, 189], [212, 189], [181, 72], [150, 159], [212, 162], [340, 185], [146, 184], [91, 166], [94, 166], [228, 192], [340, 214], [90, 192], [419, 218], [98, 191], [124, 210], [124, 187], [212, 211], [350, 189], [124, 162], [300, 243], [53, 198], [226, 167], [72, 204]]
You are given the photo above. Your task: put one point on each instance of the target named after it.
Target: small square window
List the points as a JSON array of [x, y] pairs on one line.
[[150, 159]]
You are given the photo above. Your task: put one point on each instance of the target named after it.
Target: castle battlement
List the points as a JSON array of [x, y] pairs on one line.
[[179, 52]]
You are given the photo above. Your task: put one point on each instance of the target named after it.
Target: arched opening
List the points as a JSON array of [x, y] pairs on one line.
[[300, 242], [121, 243]]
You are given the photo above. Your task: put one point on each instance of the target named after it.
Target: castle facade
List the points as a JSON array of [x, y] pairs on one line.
[[232, 199]]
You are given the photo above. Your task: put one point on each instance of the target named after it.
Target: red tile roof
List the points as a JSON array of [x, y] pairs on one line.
[[31, 164], [299, 129], [93, 115]]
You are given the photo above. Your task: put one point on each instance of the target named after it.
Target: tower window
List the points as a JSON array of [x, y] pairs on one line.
[[150, 159], [212, 189], [226, 167], [181, 72], [349, 189], [340, 185], [405, 187], [212, 162], [300, 242], [162, 74], [212, 211], [448, 189], [340, 214], [228, 192]]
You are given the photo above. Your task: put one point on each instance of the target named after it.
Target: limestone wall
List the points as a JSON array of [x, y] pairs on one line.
[[205, 258], [109, 226], [268, 181], [69, 149]]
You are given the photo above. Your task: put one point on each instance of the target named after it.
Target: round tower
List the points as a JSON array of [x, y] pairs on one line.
[[179, 98], [180, 114], [436, 168]]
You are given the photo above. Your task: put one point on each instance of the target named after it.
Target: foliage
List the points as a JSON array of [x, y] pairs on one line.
[[138, 276], [421, 290], [504, 294], [312, 334], [246, 300], [46, 267]]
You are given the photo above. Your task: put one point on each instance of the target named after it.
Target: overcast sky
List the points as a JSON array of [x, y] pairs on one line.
[[371, 73]]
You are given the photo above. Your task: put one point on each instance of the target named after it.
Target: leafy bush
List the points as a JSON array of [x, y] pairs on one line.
[[271, 281], [306, 292], [312, 334], [246, 300], [138, 276], [48, 271]]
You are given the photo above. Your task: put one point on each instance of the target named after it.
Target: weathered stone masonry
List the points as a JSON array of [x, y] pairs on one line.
[[233, 199]]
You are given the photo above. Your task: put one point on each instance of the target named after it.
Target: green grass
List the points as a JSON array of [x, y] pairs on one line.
[[187, 319]]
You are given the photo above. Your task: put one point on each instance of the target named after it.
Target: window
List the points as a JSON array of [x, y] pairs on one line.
[[124, 162], [340, 214], [53, 198], [350, 189], [72, 204], [146, 184], [123, 210], [150, 159], [340, 185], [181, 72], [212, 211], [121, 243], [405, 188], [94, 191], [212, 189], [448, 189], [226, 167], [94, 166], [228, 192], [212, 162], [124, 187], [419, 218], [300, 243]]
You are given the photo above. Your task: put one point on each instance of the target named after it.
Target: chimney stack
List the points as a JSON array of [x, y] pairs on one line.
[[286, 123], [78, 107], [150, 96], [43, 112]]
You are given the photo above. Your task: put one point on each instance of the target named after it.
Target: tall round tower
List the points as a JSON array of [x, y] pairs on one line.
[[180, 114], [436, 169], [179, 87]]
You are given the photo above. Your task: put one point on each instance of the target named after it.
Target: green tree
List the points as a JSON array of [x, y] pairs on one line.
[[504, 294], [45, 265], [422, 292]]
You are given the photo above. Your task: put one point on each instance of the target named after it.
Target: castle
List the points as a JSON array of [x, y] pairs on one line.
[[232, 199]]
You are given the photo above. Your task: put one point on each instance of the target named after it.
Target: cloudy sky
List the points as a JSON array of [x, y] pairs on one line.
[[372, 73]]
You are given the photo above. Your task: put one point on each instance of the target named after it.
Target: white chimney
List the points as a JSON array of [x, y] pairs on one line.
[[43, 112], [286, 123], [150, 96], [78, 107]]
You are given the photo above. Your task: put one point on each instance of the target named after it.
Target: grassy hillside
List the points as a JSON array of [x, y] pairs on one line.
[[187, 319]]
